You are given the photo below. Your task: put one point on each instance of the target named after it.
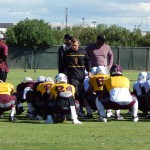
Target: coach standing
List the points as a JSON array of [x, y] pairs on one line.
[[61, 51], [3, 58], [76, 61], [100, 54]]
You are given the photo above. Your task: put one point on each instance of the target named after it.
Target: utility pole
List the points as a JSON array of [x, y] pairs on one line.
[[83, 22], [66, 17], [94, 22]]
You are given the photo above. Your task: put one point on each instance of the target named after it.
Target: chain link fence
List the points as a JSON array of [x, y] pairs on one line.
[[130, 58]]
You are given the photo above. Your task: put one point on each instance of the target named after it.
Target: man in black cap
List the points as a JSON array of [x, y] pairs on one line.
[[100, 54], [61, 50]]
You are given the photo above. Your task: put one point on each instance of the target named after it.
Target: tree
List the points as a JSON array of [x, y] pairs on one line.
[[145, 41], [34, 34]]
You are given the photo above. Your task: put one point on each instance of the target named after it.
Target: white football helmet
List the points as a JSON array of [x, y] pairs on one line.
[[101, 70], [93, 70], [148, 76], [142, 76], [49, 79], [61, 78], [27, 79], [41, 79]]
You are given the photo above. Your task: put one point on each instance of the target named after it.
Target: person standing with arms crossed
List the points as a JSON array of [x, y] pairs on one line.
[[61, 51], [76, 61], [100, 54], [3, 58]]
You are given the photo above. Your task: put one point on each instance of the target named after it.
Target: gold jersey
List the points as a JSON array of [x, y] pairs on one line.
[[6, 88], [62, 87], [97, 82], [117, 82], [43, 87]]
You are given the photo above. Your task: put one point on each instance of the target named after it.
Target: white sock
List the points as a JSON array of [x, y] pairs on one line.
[[117, 112], [12, 112], [100, 108], [73, 113], [134, 109]]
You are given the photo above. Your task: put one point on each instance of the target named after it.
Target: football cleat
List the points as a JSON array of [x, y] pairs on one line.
[[12, 119], [119, 117], [135, 119], [76, 122], [109, 114], [102, 119]]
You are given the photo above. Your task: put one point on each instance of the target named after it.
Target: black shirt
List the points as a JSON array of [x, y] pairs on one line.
[[76, 62]]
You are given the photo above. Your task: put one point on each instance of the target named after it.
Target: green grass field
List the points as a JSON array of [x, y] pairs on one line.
[[91, 135]]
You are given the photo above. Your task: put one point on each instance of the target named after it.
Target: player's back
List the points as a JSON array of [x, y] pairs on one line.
[[43, 87], [6, 88], [97, 81], [62, 87]]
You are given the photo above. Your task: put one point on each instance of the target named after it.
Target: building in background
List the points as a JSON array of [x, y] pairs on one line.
[[4, 26]]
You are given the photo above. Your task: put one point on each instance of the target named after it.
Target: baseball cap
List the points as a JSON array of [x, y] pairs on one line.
[[68, 36], [1, 36]]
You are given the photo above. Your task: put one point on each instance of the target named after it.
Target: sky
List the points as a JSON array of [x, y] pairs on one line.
[[124, 13]]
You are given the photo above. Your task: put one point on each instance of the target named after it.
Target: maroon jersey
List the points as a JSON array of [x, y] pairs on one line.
[[3, 51], [23, 85], [4, 54]]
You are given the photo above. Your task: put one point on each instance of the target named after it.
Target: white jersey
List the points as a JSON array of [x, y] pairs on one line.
[[137, 86], [146, 85]]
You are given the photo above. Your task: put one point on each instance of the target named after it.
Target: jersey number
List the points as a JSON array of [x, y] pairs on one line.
[[61, 88], [100, 81]]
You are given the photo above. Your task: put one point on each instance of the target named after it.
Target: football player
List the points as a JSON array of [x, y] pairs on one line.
[[43, 94], [96, 87], [62, 101], [34, 99], [7, 99], [21, 90], [89, 96], [138, 90], [146, 86], [119, 96]]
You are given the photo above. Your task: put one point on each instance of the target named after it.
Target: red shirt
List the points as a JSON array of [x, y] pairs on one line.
[[3, 51]]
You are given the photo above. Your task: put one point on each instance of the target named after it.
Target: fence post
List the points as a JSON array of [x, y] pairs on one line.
[[118, 59], [147, 58], [35, 61], [25, 65]]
